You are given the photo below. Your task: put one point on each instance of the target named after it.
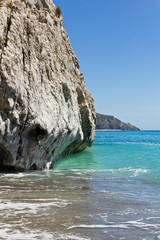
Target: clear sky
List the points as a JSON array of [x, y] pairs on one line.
[[117, 43]]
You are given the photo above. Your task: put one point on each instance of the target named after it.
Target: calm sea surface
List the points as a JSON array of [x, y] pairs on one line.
[[109, 191]]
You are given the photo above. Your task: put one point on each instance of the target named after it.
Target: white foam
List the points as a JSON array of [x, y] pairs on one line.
[[28, 234], [8, 187], [31, 207], [18, 235], [132, 171], [14, 175], [137, 223], [73, 237]]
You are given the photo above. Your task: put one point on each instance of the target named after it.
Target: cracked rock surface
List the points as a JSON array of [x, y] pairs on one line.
[[45, 110]]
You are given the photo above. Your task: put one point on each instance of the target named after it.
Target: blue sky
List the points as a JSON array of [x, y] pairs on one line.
[[117, 43]]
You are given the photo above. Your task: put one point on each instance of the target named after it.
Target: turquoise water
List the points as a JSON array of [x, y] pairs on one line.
[[132, 154], [109, 191]]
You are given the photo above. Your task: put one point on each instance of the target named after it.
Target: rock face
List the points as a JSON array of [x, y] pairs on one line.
[[112, 123], [45, 110]]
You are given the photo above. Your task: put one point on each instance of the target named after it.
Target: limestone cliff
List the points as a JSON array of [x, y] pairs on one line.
[[45, 110]]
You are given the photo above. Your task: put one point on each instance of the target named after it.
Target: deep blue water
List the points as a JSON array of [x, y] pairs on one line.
[[109, 191]]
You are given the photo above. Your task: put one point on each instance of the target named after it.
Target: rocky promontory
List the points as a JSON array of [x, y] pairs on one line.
[[111, 123], [45, 110]]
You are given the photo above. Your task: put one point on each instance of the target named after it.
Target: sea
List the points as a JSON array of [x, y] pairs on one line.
[[110, 191]]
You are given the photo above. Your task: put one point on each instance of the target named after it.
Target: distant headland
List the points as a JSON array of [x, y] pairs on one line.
[[108, 122]]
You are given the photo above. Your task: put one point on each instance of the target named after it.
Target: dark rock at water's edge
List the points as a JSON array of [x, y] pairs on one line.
[[111, 123], [45, 110]]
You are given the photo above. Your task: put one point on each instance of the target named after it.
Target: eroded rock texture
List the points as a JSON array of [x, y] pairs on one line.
[[45, 110]]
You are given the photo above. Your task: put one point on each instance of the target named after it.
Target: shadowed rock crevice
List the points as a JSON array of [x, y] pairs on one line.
[[8, 29], [85, 122], [80, 96], [66, 92], [6, 159], [84, 113], [37, 133], [33, 167]]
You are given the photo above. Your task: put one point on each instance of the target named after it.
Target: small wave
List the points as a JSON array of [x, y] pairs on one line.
[[97, 226], [142, 224], [153, 218], [18, 235], [126, 143], [122, 225], [31, 207], [133, 172], [73, 237], [25, 175], [27, 234]]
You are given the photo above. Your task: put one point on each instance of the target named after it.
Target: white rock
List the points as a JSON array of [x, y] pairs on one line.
[[45, 110]]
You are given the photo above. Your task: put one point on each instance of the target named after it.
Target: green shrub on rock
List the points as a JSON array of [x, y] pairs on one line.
[[58, 12], [9, 5]]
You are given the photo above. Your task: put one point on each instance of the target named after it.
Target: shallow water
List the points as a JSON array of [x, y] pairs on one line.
[[109, 191]]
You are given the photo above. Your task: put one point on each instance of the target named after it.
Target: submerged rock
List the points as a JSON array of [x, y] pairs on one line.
[[45, 110]]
